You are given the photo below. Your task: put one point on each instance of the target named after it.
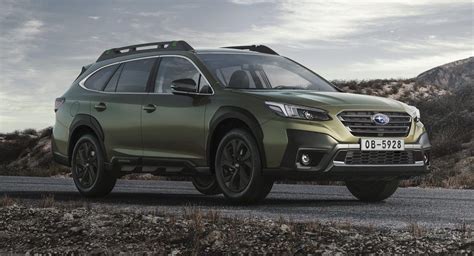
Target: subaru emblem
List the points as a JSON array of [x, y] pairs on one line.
[[380, 119]]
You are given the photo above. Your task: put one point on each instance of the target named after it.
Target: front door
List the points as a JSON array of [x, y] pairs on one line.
[[173, 125]]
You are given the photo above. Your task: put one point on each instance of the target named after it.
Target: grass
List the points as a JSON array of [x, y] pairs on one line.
[[416, 230], [6, 201], [47, 201]]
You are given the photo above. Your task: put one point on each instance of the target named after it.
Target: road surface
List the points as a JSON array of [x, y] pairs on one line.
[[427, 207]]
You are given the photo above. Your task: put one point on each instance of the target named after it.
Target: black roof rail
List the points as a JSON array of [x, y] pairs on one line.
[[254, 48], [148, 47]]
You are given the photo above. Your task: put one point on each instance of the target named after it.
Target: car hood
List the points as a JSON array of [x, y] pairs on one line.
[[328, 99]]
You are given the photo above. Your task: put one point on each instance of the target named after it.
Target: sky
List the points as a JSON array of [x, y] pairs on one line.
[[44, 43]]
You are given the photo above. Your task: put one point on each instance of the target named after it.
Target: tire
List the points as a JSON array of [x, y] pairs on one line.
[[207, 185], [88, 169], [372, 191], [238, 168]]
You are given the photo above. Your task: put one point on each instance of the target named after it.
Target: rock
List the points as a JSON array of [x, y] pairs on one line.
[[68, 217], [76, 229], [285, 228], [214, 236]]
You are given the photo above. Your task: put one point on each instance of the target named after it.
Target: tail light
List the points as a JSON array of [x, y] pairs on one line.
[[58, 102]]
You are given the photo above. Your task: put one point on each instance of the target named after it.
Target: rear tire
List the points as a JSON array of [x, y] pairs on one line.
[[88, 169], [207, 185], [238, 168], [372, 191]]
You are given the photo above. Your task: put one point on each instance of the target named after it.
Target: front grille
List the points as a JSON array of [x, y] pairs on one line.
[[377, 157], [360, 123]]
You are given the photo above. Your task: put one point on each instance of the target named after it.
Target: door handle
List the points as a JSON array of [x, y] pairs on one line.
[[149, 108], [100, 107]]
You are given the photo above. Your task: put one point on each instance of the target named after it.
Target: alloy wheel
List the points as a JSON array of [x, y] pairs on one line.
[[236, 163], [86, 164]]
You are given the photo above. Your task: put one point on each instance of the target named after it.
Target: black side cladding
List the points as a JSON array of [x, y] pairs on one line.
[[148, 47]]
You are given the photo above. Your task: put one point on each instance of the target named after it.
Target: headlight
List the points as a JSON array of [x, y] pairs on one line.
[[414, 112], [298, 112]]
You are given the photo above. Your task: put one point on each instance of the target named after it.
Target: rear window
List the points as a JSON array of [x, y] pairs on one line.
[[134, 75], [100, 78]]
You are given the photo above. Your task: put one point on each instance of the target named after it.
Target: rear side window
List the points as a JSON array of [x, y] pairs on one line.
[[134, 75], [98, 80], [112, 84]]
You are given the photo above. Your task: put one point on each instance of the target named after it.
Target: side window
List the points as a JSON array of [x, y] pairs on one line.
[[134, 75], [98, 80], [173, 68]]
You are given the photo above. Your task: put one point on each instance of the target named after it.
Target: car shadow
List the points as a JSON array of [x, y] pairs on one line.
[[174, 199]]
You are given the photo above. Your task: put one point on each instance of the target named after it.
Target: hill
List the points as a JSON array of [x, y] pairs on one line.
[[450, 76]]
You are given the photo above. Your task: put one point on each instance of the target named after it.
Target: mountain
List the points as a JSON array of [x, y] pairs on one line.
[[453, 75]]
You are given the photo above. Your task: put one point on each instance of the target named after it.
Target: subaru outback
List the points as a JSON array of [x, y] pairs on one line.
[[233, 119]]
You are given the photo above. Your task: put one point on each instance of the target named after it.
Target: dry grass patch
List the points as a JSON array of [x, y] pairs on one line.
[[47, 201], [6, 201], [416, 230]]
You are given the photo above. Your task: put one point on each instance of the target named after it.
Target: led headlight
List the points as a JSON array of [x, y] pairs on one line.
[[298, 112], [414, 112]]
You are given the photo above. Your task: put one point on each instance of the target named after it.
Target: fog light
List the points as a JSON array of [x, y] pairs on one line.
[[305, 159]]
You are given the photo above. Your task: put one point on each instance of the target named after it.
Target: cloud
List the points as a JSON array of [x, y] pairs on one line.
[[250, 2], [43, 47], [328, 20], [16, 42]]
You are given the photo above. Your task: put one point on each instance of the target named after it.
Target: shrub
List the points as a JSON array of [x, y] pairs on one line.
[[449, 120]]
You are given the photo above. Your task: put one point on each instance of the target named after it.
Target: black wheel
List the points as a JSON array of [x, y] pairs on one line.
[[238, 168], [372, 191], [88, 170], [207, 185]]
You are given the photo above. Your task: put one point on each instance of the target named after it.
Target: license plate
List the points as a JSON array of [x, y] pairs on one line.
[[380, 144]]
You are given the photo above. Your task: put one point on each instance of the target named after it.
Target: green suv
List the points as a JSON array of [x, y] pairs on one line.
[[234, 119]]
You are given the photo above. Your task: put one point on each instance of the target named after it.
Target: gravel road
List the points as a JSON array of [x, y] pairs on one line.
[[432, 208]]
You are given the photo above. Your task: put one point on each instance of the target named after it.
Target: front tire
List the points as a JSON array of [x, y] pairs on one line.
[[88, 169], [238, 168], [372, 191]]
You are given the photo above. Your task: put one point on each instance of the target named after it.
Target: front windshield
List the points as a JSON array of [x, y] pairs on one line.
[[255, 71]]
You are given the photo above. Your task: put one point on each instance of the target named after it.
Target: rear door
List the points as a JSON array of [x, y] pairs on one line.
[[119, 109], [173, 125]]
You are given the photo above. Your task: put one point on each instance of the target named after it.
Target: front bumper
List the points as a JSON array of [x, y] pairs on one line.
[[329, 159]]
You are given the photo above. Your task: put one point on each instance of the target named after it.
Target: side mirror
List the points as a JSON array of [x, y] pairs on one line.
[[184, 86]]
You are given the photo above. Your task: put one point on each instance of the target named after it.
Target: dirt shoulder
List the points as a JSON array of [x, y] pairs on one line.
[[50, 227]]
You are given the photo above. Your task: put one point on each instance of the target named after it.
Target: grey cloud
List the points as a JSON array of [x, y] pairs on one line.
[[44, 43]]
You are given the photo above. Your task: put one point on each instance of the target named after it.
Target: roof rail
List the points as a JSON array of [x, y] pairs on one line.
[[254, 48], [148, 47]]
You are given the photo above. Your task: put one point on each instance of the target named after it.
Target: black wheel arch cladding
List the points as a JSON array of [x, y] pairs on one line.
[[84, 120], [243, 115]]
